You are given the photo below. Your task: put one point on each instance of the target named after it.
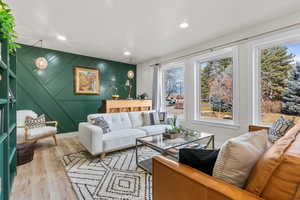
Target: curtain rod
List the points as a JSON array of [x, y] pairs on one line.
[[227, 44]]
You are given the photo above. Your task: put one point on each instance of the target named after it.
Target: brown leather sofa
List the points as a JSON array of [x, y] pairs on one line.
[[276, 176]]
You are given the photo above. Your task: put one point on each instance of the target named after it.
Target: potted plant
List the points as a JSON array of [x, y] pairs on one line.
[[7, 28], [174, 131]]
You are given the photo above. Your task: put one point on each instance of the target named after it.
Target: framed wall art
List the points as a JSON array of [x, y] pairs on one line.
[[86, 80]]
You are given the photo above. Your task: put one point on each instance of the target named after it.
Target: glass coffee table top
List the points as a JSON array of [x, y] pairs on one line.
[[164, 143], [170, 147]]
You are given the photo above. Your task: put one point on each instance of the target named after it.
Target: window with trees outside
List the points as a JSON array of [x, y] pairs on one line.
[[215, 80], [278, 78], [173, 89]]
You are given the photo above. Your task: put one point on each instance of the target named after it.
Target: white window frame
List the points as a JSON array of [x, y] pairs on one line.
[[255, 47], [219, 54], [169, 66]]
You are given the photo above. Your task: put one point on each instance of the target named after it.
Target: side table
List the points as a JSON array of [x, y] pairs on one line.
[[25, 152]]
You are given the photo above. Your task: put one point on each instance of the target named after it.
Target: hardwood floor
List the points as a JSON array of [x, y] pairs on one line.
[[44, 178]]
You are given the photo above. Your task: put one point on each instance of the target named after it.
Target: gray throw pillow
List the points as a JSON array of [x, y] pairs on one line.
[[38, 122], [279, 128], [163, 117], [150, 118], [102, 123]]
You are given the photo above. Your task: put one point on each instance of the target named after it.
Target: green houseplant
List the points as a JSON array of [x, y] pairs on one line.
[[174, 131], [8, 27]]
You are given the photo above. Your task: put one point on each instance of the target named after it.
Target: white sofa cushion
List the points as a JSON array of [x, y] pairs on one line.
[[116, 121], [42, 131], [155, 129], [121, 138]]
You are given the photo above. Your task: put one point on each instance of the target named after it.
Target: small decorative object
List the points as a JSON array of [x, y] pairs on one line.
[[41, 62], [10, 94], [115, 94], [130, 74], [143, 96], [174, 131], [129, 86], [192, 133], [86, 80]]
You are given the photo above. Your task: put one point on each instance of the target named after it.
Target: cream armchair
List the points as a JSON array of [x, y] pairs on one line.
[[25, 134]]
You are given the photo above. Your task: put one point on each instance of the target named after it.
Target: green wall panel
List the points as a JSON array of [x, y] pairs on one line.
[[51, 91]]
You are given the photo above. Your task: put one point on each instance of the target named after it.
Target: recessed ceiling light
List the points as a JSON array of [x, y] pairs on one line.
[[127, 53], [62, 38], [184, 25]]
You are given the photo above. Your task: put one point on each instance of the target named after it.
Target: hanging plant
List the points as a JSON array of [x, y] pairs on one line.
[[8, 27]]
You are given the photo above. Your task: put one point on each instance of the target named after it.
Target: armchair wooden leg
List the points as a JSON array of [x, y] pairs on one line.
[[55, 141], [102, 156]]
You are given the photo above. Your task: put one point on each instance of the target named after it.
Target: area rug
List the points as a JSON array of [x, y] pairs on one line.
[[116, 177]]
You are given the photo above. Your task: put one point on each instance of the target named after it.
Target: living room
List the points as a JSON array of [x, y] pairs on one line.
[[162, 100]]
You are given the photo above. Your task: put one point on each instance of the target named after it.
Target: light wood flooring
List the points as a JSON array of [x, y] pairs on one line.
[[44, 178]]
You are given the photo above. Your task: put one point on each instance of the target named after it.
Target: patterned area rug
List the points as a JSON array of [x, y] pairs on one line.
[[116, 177]]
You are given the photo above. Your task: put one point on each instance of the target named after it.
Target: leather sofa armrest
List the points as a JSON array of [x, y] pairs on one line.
[[258, 128], [175, 181]]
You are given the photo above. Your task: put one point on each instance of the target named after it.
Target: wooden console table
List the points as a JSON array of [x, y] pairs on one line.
[[124, 105]]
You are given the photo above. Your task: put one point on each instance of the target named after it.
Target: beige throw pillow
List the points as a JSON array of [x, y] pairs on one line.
[[238, 156]]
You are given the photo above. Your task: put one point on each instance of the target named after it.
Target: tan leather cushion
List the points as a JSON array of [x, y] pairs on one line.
[[277, 174]]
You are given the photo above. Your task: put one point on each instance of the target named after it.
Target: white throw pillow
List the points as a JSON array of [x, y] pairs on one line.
[[238, 156]]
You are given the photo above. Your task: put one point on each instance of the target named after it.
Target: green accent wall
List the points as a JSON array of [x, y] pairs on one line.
[[51, 91]]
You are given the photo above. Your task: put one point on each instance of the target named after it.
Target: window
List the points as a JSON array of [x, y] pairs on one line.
[[215, 82], [173, 89], [277, 82]]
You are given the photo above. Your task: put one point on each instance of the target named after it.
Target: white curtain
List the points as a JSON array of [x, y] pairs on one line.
[[157, 90]]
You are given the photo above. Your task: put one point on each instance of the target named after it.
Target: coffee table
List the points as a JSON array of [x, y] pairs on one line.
[[170, 147]]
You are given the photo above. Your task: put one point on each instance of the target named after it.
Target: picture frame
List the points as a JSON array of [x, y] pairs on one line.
[[86, 80]]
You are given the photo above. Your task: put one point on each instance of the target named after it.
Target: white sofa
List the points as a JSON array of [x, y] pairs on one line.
[[125, 128]]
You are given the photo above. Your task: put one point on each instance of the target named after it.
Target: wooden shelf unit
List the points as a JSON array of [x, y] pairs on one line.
[[124, 105], [8, 130]]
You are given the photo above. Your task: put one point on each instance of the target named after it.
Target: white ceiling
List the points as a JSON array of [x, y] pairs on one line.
[[147, 28]]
